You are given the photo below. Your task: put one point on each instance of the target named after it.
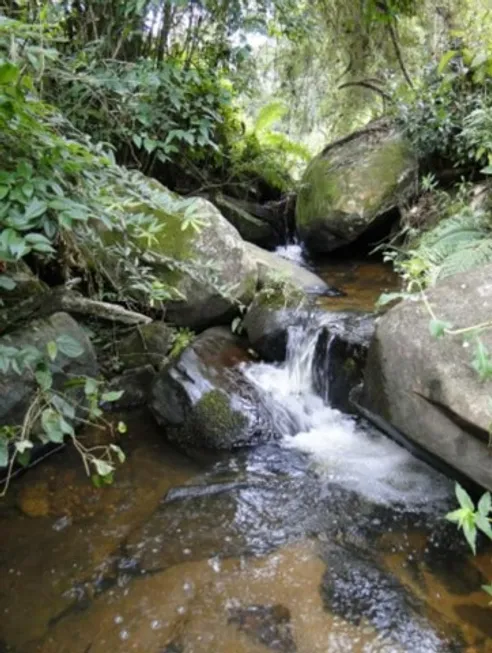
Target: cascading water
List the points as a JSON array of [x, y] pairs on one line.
[[348, 451]]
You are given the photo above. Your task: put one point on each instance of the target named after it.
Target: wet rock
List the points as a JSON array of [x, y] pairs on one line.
[[352, 185], [273, 310], [356, 589], [267, 625], [426, 387], [18, 390], [340, 357], [149, 344], [273, 269], [252, 228], [204, 400]]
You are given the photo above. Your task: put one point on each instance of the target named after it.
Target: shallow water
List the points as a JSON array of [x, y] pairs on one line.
[[331, 541]]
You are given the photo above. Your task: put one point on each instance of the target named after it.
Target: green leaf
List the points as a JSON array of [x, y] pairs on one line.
[[103, 468], [51, 423], [69, 346], [7, 283], [471, 535], [485, 504], [445, 59], [62, 406], [52, 349], [4, 451], [388, 297], [455, 516], [483, 524], [4, 191], [119, 452], [23, 445], [35, 209], [438, 328], [464, 498], [122, 427], [91, 387], [112, 396], [137, 140], [43, 377], [8, 73]]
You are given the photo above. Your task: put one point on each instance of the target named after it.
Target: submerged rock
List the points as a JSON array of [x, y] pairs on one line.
[[355, 588], [18, 390], [352, 185], [205, 401], [273, 310], [267, 625], [425, 386]]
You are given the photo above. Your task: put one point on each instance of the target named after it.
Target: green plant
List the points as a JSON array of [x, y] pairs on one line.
[[182, 339], [54, 414], [471, 519]]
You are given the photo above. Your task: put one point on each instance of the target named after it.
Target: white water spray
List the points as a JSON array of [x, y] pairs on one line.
[[345, 450]]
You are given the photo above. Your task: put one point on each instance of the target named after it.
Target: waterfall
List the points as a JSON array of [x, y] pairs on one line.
[[344, 449]]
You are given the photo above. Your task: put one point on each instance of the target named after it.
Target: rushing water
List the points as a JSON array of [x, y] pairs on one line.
[[330, 541]]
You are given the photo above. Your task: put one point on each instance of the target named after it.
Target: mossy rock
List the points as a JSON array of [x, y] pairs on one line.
[[205, 401], [352, 184], [27, 284], [148, 344], [208, 266]]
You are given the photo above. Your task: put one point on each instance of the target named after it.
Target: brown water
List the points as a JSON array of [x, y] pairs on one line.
[[264, 550], [362, 282]]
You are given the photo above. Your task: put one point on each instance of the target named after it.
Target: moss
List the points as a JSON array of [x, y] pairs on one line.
[[280, 296], [215, 418], [356, 179]]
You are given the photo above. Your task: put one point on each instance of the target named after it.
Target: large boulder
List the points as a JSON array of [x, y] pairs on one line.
[[18, 390], [205, 401], [426, 386], [352, 185], [272, 267], [198, 253]]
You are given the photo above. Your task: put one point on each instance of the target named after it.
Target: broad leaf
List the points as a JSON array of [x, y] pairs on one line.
[[69, 346]]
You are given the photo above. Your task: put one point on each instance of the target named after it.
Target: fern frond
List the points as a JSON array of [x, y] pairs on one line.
[[268, 115], [470, 256], [284, 143]]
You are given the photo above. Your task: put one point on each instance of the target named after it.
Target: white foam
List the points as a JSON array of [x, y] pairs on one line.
[[343, 450]]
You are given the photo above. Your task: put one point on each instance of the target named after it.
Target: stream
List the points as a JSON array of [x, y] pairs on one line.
[[332, 540]]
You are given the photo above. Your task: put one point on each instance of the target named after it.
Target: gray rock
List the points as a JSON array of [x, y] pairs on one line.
[[205, 401], [352, 185], [17, 390], [252, 228], [274, 268], [136, 384], [426, 387]]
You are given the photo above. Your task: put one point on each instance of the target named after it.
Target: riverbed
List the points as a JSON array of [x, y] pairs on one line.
[[332, 540]]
